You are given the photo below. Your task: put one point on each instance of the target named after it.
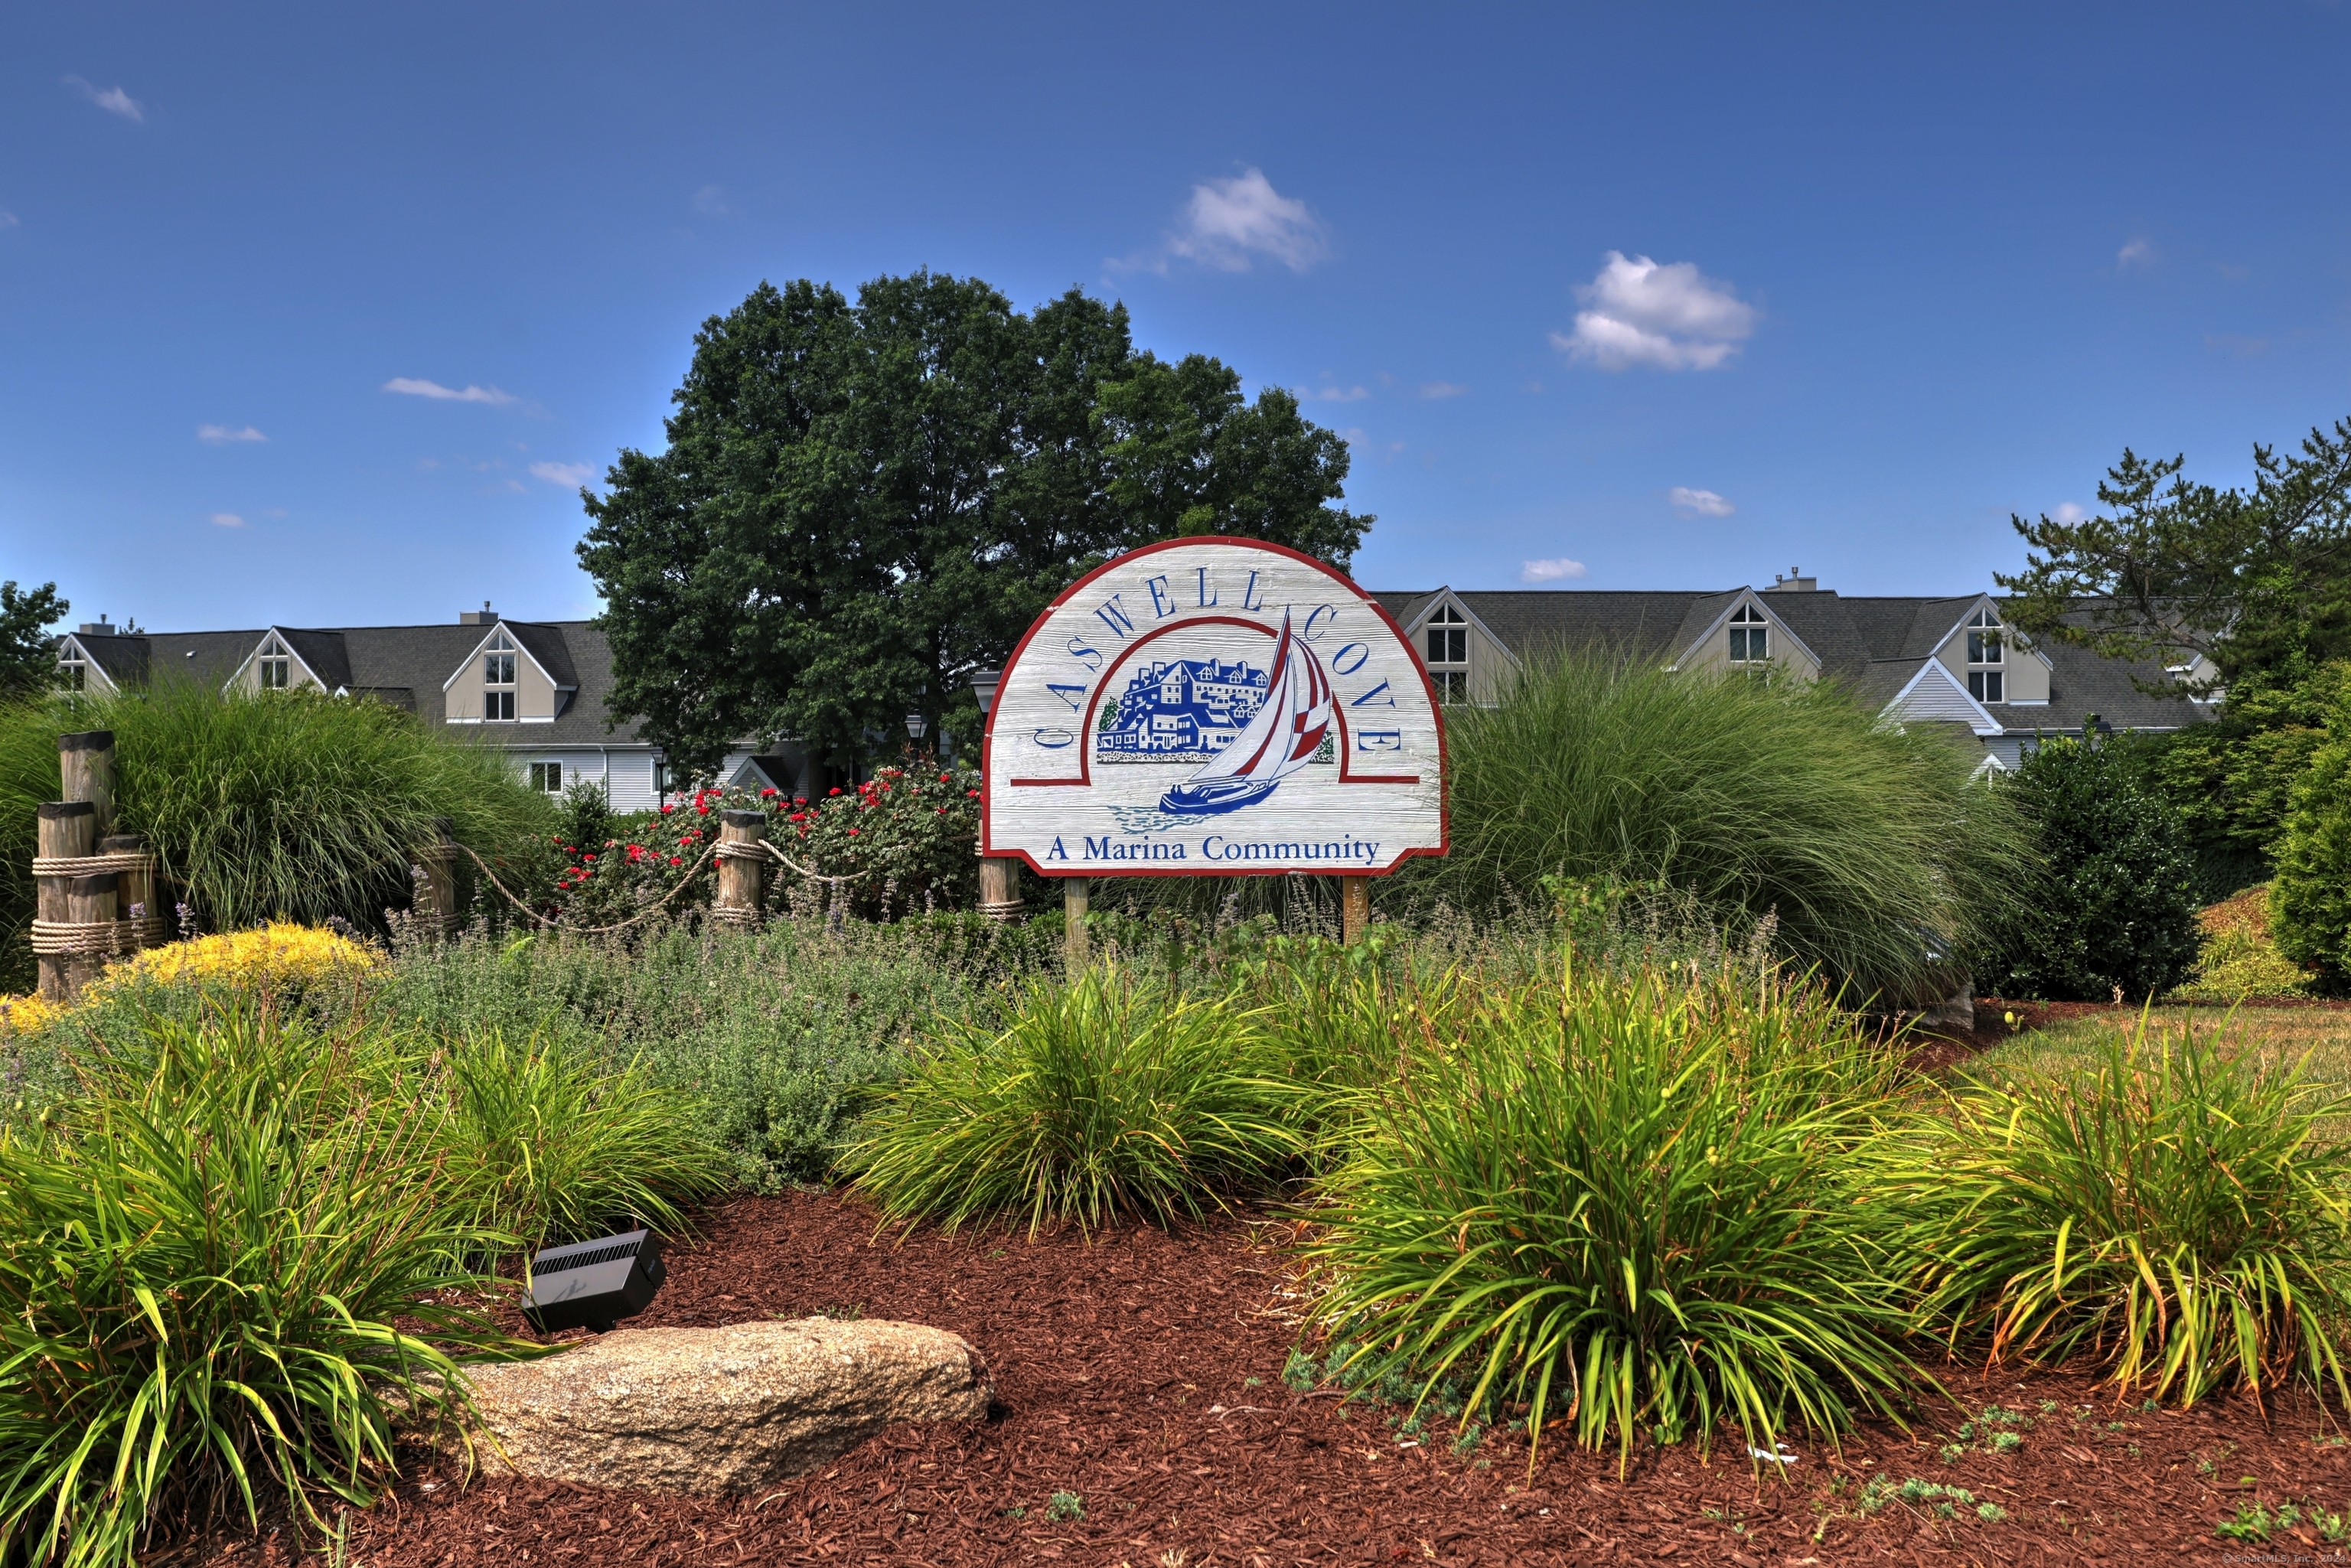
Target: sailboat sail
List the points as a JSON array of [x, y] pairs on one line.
[[1279, 739]]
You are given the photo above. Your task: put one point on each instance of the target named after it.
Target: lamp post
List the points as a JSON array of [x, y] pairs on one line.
[[999, 876]]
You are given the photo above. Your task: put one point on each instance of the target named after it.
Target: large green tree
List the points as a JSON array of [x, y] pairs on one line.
[[28, 660], [2252, 579], [861, 503]]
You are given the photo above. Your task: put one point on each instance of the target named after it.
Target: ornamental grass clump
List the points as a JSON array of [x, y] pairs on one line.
[[1637, 1203], [547, 1141], [1872, 846], [275, 805], [2164, 1212], [1108, 1098], [228, 1275]]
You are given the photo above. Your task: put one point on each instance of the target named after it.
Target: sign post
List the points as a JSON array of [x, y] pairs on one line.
[[1214, 707]]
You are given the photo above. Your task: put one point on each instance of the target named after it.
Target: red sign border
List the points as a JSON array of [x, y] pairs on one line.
[[988, 746]]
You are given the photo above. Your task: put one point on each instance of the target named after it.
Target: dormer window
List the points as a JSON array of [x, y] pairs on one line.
[[498, 681], [1986, 680], [1750, 636], [1448, 645], [73, 669], [276, 666]]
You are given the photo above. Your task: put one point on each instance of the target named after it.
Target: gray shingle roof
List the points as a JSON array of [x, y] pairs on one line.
[[406, 665], [1876, 642]]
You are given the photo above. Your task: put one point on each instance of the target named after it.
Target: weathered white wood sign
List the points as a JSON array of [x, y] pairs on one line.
[[1214, 706]]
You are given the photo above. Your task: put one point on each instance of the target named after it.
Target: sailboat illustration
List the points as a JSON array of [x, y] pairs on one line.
[[1278, 740]]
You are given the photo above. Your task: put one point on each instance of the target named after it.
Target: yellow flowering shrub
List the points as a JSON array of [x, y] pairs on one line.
[[267, 954], [27, 1015], [2239, 959], [271, 955]]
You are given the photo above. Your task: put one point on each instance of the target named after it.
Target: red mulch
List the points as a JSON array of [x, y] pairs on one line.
[[1142, 1373]]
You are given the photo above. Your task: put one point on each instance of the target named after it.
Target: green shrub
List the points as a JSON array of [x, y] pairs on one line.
[[2171, 1216], [285, 803], [218, 1277], [1869, 843], [775, 1033], [2240, 960], [1110, 1097], [2312, 895], [2116, 908], [1634, 1203]]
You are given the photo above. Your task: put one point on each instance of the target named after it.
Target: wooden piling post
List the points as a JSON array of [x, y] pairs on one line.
[[1354, 908], [67, 831], [90, 901], [742, 878], [142, 923], [86, 772], [436, 886], [1074, 889], [1000, 888]]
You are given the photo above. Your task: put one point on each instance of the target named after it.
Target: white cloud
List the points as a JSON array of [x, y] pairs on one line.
[[2067, 512], [571, 476], [7, 220], [711, 201], [112, 99], [1671, 317], [1441, 389], [1229, 222], [225, 520], [2139, 252], [1553, 570], [219, 434], [1335, 395], [415, 388], [1698, 503]]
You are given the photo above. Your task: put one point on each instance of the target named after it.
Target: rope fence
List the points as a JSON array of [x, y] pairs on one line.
[[754, 848]]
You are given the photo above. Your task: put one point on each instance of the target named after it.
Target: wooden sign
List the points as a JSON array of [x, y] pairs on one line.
[[1214, 707]]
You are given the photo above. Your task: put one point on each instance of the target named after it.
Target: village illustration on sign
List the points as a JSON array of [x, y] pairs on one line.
[[1210, 707]]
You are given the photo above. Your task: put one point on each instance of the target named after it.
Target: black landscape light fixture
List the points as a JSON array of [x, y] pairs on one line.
[[594, 1284], [983, 686], [916, 725]]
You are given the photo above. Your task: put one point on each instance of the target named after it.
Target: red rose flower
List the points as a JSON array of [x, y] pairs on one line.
[[674, 860]]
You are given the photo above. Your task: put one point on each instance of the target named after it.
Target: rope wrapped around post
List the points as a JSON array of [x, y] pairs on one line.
[[736, 900], [129, 933], [107, 938], [93, 865]]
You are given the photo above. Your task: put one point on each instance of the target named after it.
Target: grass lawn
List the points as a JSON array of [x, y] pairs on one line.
[[2322, 1034]]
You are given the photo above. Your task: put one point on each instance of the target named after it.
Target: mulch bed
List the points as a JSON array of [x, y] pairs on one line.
[[1141, 1373]]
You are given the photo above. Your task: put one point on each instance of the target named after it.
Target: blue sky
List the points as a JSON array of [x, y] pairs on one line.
[[1880, 274]]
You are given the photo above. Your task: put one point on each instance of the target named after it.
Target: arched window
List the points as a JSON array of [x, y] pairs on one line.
[[276, 665], [1750, 636], [1985, 678], [1449, 654], [498, 680]]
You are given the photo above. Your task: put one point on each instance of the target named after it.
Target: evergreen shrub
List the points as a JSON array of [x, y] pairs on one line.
[[2114, 908], [2311, 898]]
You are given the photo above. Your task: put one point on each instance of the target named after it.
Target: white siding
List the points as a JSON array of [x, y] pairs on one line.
[[1934, 695]]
